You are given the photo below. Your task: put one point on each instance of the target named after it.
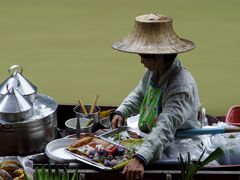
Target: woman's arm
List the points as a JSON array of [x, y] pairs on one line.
[[132, 103], [179, 106]]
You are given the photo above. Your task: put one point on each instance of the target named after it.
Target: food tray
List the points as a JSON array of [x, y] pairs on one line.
[[128, 137], [88, 161], [78, 153], [123, 132]]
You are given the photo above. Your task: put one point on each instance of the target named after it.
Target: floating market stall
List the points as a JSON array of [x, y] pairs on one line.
[[36, 132]]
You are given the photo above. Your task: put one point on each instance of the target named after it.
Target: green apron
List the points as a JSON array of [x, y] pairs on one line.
[[150, 108]]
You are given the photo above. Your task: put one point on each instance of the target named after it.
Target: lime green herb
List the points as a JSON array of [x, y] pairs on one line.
[[47, 174], [131, 143], [189, 168], [117, 137], [88, 123]]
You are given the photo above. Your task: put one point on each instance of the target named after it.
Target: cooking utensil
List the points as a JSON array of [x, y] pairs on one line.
[[78, 128], [122, 132], [82, 106], [94, 104], [202, 131]]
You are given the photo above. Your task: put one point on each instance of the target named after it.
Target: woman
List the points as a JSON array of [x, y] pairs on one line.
[[167, 95]]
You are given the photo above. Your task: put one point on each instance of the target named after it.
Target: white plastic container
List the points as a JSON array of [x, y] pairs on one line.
[[71, 125]]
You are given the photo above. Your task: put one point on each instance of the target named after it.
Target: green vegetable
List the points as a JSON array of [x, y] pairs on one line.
[[131, 143], [57, 173], [44, 173], [48, 174], [37, 174], [117, 137], [120, 165], [88, 123], [65, 175], [189, 168], [75, 175]]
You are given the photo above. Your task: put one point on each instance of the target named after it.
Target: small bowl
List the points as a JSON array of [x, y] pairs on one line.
[[233, 116], [105, 122], [71, 125]]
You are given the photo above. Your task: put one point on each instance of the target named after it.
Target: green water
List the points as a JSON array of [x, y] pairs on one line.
[[64, 47]]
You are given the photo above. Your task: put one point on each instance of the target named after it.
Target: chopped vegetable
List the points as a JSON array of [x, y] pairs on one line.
[[88, 123], [131, 143], [117, 137]]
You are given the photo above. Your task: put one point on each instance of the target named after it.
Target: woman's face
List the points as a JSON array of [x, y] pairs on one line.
[[152, 62]]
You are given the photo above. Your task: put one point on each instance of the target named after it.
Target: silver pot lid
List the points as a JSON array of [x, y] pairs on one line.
[[23, 85], [10, 82], [14, 106]]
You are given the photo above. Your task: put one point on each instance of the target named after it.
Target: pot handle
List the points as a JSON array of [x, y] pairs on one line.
[[1, 126], [6, 127], [14, 69]]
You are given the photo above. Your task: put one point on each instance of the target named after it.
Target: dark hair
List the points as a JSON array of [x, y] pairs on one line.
[[167, 58]]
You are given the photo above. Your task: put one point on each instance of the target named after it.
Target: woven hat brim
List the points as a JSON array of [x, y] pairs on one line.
[[136, 47]]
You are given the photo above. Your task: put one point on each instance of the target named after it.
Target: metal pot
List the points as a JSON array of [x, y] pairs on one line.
[[19, 82], [31, 135]]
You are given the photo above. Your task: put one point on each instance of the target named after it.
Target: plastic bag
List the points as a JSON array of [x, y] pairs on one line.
[[229, 143], [17, 163], [183, 146]]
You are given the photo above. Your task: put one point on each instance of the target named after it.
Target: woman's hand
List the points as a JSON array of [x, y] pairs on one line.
[[117, 121], [134, 170]]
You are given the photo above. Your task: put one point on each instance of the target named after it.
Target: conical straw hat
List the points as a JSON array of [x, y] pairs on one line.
[[153, 34]]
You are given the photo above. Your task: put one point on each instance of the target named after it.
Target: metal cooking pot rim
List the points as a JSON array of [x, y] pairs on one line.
[[36, 119]]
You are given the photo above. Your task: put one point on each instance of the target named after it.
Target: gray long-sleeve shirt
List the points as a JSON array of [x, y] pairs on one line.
[[179, 103]]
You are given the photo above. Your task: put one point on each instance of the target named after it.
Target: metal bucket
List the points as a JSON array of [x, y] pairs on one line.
[[31, 135]]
